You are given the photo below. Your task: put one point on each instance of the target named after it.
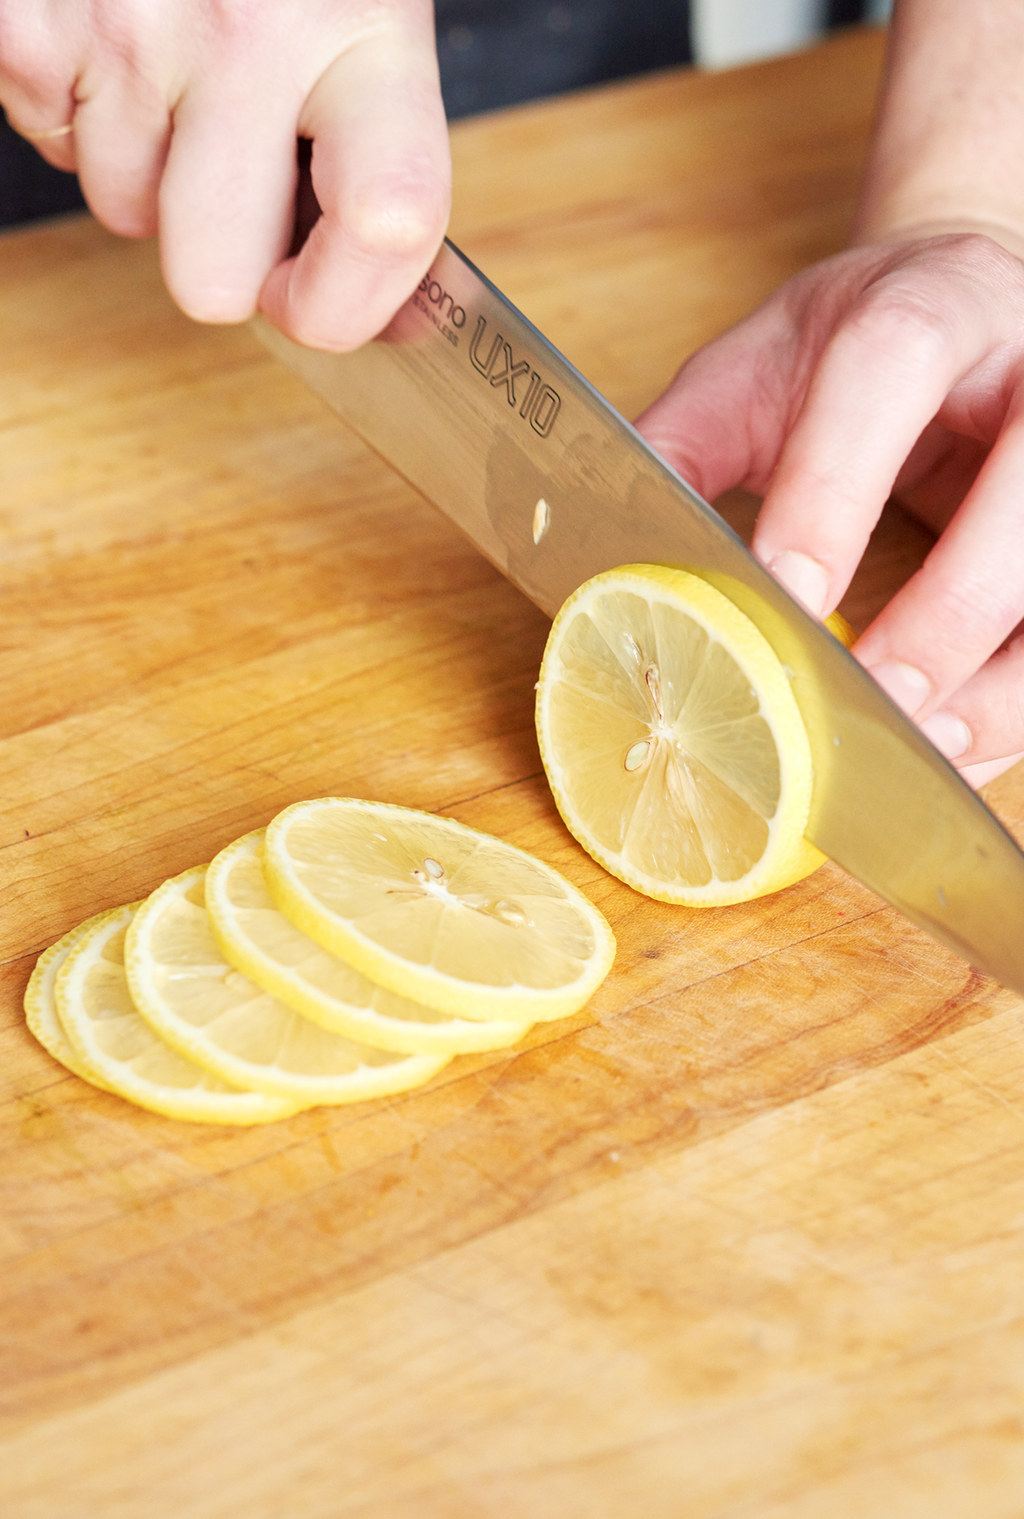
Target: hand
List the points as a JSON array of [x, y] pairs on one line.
[[186, 115], [890, 369]]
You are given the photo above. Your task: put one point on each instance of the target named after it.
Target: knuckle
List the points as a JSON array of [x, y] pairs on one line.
[[980, 255], [997, 723], [28, 57], [910, 321], [233, 21], [396, 221], [955, 616], [965, 614]]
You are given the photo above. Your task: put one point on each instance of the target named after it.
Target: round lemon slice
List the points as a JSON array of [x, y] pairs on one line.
[[212, 1013], [256, 937], [41, 1004], [108, 1035], [672, 741], [436, 911]]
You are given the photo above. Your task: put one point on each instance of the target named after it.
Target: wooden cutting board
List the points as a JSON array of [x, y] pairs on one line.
[[742, 1239]]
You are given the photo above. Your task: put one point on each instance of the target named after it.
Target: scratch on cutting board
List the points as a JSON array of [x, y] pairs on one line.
[[982, 1086]]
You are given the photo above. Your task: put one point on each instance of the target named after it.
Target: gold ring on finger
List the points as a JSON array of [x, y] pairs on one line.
[[46, 134]]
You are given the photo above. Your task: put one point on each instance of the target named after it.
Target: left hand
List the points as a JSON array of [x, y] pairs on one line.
[[891, 369]]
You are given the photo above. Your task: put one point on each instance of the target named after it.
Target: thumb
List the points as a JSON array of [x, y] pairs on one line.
[[721, 422]]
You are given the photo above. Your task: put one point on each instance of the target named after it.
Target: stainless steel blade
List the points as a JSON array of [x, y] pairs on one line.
[[478, 411]]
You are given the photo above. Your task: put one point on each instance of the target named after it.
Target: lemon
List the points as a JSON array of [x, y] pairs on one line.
[[841, 629], [262, 943], [212, 1013], [436, 911], [672, 741], [109, 1037], [41, 1006]]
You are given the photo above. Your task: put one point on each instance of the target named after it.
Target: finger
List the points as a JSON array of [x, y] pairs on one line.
[[980, 728], [966, 599], [980, 775], [46, 120], [226, 198], [55, 144], [37, 90], [122, 142], [880, 380], [381, 172], [720, 421]]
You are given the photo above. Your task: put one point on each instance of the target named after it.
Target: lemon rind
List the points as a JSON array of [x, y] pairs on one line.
[[468, 999], [788, 856], [461, 1036], [41, 1013], [235, 1107], [328, 1091]]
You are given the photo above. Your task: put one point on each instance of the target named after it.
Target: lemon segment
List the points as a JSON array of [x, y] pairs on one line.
[[109, 1037], [256, 937], [672, 741], [212, 1013], [436, 911]]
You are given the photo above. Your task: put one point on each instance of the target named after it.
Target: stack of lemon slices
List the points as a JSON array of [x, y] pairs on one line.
[[348, 951], [353, 948]]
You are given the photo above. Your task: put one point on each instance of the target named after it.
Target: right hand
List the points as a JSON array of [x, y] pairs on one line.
[[186, 115]]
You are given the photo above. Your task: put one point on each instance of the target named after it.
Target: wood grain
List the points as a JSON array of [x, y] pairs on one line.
[[743, 1238]]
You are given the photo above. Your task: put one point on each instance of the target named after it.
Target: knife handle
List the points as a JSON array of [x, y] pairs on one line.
[[307, 207]]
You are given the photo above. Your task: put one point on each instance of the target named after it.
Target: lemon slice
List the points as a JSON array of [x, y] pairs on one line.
[[436, 911], [672, 741], [209, 1011], [41, 1004], [267, 947], [108, 1035]]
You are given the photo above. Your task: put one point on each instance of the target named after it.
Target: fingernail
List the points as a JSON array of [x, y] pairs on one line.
[[804, 578], [908, 688], [950, 735]]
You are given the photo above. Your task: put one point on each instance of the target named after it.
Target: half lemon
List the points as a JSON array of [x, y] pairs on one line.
[[672, 742]]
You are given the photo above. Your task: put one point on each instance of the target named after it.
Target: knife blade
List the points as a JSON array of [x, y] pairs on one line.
[[472, 405]]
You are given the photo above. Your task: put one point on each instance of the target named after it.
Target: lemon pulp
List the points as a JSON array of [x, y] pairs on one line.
[[213, 1014], [268, 948], [437, 911], [112, 1040], [672, 741]]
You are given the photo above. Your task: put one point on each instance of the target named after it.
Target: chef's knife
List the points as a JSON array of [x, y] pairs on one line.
[[483, 416]]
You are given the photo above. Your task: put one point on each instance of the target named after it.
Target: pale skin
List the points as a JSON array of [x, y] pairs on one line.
[[186, 115], [899, 367], [896, 366]]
